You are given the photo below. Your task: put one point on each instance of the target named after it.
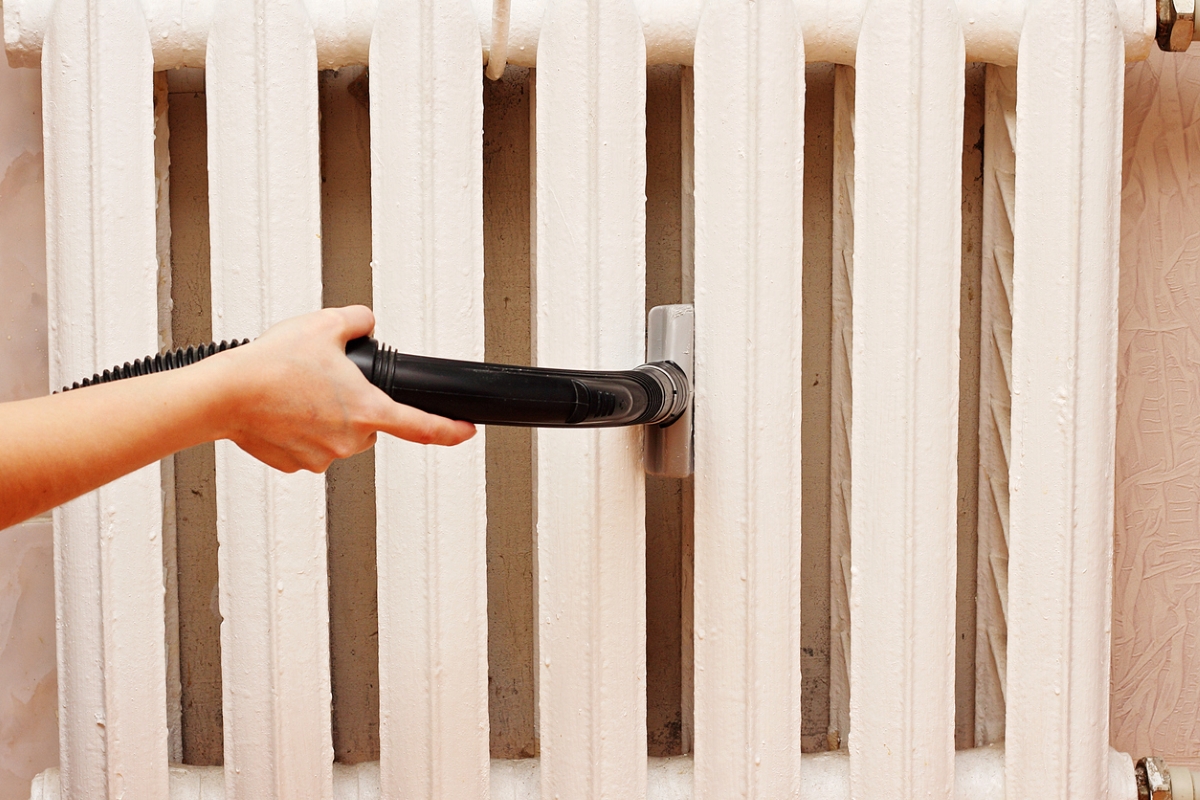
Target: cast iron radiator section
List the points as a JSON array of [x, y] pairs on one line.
[[745, 92]]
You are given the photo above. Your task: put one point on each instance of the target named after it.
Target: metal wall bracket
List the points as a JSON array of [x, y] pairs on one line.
[[670, 336]]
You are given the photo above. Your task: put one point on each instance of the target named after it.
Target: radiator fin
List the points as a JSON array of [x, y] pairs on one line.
[[749, 147], [427, 252], [101, 259], [265, 217], [1070, 83], [589, 295], [903, 522]]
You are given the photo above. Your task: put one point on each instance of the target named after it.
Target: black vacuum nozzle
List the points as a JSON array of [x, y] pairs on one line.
[[503, 394]]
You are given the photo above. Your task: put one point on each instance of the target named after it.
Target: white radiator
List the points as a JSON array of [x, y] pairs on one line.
[[897, 235]]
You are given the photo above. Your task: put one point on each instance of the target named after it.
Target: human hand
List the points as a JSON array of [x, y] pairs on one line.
[[294, 401]]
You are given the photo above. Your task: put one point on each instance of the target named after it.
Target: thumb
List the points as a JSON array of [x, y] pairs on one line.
[[356, 321]]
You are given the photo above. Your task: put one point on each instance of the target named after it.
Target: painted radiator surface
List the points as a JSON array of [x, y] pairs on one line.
[[1052, 204]]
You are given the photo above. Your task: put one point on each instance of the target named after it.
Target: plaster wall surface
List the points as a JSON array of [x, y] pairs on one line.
[[28, 693], [1156, 593]]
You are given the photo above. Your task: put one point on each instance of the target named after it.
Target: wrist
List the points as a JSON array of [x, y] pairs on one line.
[[222, 390]]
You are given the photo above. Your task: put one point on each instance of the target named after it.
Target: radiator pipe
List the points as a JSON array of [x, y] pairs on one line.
[[978, 775], [342, 32], [1158, 781]]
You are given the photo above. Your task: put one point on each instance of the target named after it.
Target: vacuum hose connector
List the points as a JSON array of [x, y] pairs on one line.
[[502, 394]]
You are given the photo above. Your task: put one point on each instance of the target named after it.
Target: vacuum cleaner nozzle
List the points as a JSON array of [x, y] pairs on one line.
[[657, 394], [506, 394]]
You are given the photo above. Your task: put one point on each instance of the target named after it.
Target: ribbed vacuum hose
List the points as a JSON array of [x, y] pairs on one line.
[[172, 359], [488, 394]]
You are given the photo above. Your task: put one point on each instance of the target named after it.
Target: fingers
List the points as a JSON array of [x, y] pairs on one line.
[[337, 413], [399, 420], [273, 456], [358, 321], [406, 422]]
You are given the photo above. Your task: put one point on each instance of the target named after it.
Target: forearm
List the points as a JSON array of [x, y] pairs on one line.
[[59, 447], [291, 399]]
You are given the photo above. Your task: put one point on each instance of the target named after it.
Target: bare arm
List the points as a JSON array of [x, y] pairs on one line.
[[290, 398]]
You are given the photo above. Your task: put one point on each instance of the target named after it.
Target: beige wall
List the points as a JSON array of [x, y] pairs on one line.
[[1156, 597], [28, 696]]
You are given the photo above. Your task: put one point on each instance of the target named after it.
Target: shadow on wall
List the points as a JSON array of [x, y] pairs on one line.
[[28, 688]]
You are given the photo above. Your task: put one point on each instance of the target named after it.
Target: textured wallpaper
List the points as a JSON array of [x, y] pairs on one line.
[[1156, 594], [22, 237], [28, 694]]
